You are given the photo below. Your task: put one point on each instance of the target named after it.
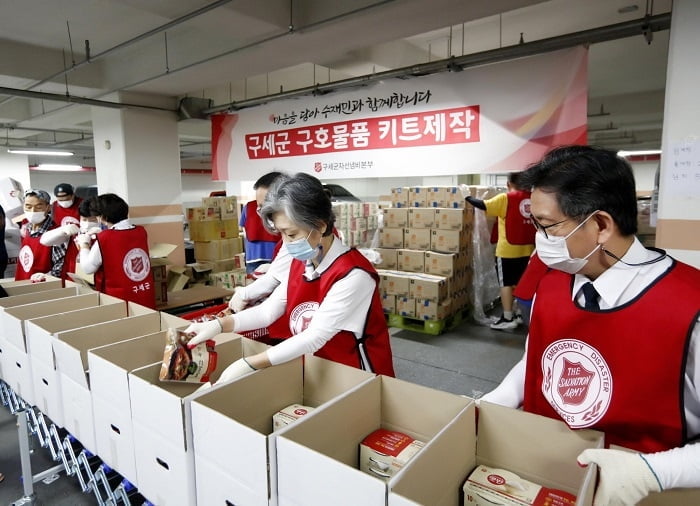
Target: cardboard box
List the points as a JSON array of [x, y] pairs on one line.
[[389, 258], [393, 282], [42, 334], [210, 230], [227, 206], [410, 260], [13, 287], [232, 426], [537, 448], [428, 287], [395, 217], [417, 196], [452, 219], [383, 453], [388, 303], [441, 264], [161, 417], [417, 238], [432, 310], [109, 365], [328, 440], [421, 217], [391, 238], [406, 306], [217, 249], [448, 241], [177, 278], [399, 196]]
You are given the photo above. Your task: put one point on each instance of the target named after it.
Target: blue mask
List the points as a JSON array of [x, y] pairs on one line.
[[301, 249]]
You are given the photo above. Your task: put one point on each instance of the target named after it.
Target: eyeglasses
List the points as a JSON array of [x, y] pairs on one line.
[[541, 228]]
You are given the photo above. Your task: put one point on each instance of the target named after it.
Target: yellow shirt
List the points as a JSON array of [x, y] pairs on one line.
[[498, 206]]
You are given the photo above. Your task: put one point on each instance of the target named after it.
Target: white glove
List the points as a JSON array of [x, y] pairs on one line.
[[625, 477], [83, 239], [93, 230], [239, 368], [464, 189], [237, 302], [203, 331], [37, 277], [70, 229]]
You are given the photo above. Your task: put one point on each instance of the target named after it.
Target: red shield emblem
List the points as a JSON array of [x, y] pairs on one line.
[[137, 264], [574, 382], [305, 322]]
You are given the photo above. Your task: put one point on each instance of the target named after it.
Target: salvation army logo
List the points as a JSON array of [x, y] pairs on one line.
[[69, 220], [26, 258], [576, 382], [136, 264], [496, 479], [524, 208], [301, 316], [300, 411], [318, 166]]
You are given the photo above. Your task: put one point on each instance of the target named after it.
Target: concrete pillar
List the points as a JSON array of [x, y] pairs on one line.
[[678, 224], [137, 156]]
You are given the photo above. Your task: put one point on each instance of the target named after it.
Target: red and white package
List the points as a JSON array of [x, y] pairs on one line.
[[183, 364]]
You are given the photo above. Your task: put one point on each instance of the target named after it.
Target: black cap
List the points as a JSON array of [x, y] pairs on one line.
[[64, 189]]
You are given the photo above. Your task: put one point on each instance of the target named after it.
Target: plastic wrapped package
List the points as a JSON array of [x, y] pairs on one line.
[[485, 282]]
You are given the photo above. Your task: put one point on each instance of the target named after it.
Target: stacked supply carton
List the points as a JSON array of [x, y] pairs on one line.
[[357, 222], [214, 229]]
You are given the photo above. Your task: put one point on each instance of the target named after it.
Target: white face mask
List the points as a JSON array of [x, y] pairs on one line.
[[35, 217], [65, 204], [554, 252]]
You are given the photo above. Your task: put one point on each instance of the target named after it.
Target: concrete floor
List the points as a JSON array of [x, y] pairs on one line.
[[470, 359]]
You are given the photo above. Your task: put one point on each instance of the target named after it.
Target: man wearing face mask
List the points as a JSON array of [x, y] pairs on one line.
[[66, 207], [615, 329], [327, 305], [71, 235], [35, 260]]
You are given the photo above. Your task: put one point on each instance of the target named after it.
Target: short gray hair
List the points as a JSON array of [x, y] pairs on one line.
[[302, 199]]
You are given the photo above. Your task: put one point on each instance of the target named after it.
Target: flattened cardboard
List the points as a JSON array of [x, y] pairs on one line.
[[328, 439], [238, 437]]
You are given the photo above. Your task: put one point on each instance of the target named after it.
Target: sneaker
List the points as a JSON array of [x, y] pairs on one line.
[[503, 324], [518, 319]]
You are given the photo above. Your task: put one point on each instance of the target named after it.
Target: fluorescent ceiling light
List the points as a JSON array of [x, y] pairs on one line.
[[639, 153], [59, 167], [39, 152]]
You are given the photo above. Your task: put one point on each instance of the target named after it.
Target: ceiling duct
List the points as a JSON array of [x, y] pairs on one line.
[[193, 108]]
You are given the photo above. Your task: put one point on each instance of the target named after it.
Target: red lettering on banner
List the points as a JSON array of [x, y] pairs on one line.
[[446, 126]]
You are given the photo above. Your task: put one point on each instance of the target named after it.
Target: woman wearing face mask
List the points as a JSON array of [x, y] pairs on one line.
[[615, 329], [329, 304], [35, 260], [71, 235]]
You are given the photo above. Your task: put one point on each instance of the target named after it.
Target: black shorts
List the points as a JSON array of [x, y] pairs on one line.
[[509, 270]]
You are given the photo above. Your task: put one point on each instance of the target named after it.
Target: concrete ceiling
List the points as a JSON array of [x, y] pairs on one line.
[[231, 51]]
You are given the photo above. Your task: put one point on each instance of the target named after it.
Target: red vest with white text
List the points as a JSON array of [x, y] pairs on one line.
[[254, 229], [33, 257], [519, 229], [620, 370], [65, 216], [304, 297], [70, 260], [126, 267]]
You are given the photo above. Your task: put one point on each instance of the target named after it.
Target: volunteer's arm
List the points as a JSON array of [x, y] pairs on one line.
[[263, 286], [90, 256], [58, 235]]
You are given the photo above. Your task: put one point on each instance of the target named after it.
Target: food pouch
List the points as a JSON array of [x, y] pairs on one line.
[[183, 364]]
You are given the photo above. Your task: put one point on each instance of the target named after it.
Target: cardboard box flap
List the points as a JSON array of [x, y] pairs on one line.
[[437, 477], [26, 286], [325, 380], [29, 298], [536, 436], [161, 250]]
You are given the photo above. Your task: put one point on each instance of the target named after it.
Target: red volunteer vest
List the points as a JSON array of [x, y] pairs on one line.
[[519, 229], [527, 285], [304, 297], [32, 257], [126, 268], [68, 215], [70, 260], [619, 371], [254, 229]]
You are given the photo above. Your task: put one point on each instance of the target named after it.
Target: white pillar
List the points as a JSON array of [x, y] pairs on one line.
[[678, 224]]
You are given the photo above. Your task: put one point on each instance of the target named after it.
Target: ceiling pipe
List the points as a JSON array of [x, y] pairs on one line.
[[594, 35], [92, 58]]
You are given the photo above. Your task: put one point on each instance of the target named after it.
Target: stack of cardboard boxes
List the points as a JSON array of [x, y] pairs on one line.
[[356, 221], [425, 245]]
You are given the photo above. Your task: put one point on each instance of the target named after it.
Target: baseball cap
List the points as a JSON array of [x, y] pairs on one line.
[[40, 194], [63, 188]]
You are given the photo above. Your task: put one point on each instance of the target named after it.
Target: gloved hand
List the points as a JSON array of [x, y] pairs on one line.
[[239, 368], [203, 331], [464, 189], [37, 277], [625, 477], [70, 229], [92, 231], [237, 302], [81, 239]]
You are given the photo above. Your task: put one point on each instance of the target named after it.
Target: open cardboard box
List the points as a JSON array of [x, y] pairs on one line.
[[29, 298], [109, 366], [13, 287], [161, 415], [318, 458], [41, 336], [16, 360], [233, 437]]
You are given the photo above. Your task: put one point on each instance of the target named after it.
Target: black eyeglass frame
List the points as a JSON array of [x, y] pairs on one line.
[[542, 228]]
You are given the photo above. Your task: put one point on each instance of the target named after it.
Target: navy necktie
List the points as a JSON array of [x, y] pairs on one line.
[[590, 296]]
